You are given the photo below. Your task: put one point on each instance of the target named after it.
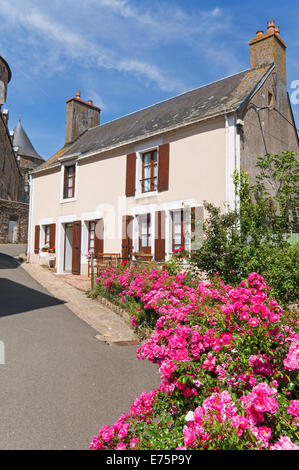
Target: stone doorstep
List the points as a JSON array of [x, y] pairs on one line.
[[111, 323]]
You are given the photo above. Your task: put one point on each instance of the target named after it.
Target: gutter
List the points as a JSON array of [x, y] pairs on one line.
[[31, 182], [79, 156]]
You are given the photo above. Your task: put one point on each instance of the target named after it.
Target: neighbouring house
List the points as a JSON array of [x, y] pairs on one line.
[[17, 158], [13, 211], [135, 186]]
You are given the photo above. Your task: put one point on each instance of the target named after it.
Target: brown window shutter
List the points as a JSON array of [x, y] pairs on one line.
[[52, 235], [127, 237], [36, 239], [163, 170], [65, 184], [131, 175], [197, 218], [76, 252], [74, 181], [160, 236], [99, 237]]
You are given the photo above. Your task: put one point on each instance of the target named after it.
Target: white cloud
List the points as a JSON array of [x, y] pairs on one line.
[[117, 35], [73, 45]]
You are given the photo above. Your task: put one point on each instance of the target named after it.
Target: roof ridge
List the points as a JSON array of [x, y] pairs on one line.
[[176, 96]]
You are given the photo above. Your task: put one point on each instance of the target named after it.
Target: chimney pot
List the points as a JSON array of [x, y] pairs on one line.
[[269, 48], [90, 102], [271, 27], [78, 95]]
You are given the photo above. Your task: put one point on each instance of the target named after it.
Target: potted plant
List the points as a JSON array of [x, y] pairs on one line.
[[45, 249], [52, 256], [180, 253]]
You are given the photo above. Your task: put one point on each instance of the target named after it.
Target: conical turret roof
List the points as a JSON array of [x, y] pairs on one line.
[[22, 141]]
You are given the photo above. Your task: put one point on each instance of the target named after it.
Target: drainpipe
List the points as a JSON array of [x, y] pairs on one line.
[[230, 163], [31, 186]]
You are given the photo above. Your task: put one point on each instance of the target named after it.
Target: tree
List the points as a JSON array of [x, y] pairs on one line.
[[251, 238], [278, 179]]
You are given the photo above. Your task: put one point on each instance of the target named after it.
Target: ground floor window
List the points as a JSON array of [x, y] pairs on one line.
[[144, 222], [91, 236], [178, 237], [47, 235]]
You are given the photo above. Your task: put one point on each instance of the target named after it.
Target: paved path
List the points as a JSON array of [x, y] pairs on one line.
[[108, 324], [58, 383]]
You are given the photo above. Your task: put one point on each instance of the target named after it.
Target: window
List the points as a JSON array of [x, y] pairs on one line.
[[47, 235], [91, 237], [4, 160], [69, 181], [149, 179], [145, 233], [178, 237]]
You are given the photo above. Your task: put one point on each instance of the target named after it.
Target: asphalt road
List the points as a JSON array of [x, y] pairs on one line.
[[58, 384]]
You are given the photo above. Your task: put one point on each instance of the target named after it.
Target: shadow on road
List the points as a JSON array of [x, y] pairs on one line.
[[7, 262], [17, 298]]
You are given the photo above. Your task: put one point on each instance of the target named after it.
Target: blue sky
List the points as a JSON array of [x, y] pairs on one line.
[[126, 54]]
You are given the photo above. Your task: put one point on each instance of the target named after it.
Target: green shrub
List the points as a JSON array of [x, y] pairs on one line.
[[252, 238]]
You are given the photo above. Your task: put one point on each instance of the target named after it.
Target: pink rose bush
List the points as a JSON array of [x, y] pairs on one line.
[[228, 359]]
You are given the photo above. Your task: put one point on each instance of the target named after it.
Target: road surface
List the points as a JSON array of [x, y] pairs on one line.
[[58, 384]]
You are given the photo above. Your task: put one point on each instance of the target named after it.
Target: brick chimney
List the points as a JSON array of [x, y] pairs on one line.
[[80, 116], [267, 48]]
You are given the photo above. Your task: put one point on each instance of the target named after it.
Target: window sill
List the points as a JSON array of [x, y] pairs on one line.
[[70, 199], [145, 195]]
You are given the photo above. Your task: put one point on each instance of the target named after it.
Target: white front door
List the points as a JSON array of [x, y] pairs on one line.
[[68, 248], [12, 231]]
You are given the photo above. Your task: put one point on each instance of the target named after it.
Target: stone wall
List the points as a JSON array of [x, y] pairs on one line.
[[12, 211], [11, 180], [267, 129]]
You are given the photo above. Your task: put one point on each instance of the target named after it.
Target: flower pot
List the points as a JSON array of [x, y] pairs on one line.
[[52, 260]]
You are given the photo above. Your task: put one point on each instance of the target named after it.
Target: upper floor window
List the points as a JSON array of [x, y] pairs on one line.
[[149, 180], [69, 181], [147, 172]]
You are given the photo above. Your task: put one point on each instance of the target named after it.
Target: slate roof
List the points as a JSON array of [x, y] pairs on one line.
[[22, 141], [217, 98]]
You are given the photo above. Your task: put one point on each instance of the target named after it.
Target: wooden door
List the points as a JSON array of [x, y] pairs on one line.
[[127, 237], [99, 237], [36, 239], [160, 236], [76, 248]]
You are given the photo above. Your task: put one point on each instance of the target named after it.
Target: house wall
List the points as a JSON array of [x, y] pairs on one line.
[[267, 130], [196, 173]]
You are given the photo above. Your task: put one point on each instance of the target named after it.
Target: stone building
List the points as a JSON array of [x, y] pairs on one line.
[[14, 167], [27, 157]]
